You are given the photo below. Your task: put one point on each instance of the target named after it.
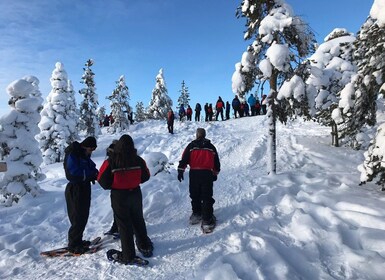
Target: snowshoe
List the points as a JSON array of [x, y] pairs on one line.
[[116, 256], [209, 226]]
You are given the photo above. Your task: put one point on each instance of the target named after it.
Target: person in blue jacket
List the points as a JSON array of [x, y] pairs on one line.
[[80, 171], [252, 101]]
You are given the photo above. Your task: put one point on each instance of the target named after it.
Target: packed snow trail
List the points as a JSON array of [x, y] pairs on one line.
[[309, 221]]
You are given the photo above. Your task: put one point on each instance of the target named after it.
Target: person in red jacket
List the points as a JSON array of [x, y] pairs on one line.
[[123, 172], [188, 112], [204, 163]]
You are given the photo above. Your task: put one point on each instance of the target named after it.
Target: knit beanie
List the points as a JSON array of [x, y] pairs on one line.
[[89, 142]]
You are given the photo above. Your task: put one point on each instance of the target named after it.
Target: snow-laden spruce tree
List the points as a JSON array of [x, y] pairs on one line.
[[120, 107], [21, 150], [88, 119], [57, 125], [371, 72], [101, 112], [140, 113], [281, 42], [358, 99], [331, 69], [184, 97], [73, 112], [160, 102]]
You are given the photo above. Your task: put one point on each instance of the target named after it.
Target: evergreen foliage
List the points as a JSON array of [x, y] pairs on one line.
[[281, 43], [359, 108], [140, 113], [160, 102], [88, 121], [20, 148], [184, 97], [57, 125], [120, 106]]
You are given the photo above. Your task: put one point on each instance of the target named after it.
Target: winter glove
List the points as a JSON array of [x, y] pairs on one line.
[[215, 177], [180, 175]]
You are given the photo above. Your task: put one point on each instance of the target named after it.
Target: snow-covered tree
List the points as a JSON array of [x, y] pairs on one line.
[[120, 106], [184, 98], [281, 42], [57, 124], [160, 102], [331, 69], [358, 99], [101, 112], [88, 121], [73, 112], [140, 113], [371, 72], [18, 131]]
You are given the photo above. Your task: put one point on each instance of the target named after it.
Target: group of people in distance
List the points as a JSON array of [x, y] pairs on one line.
[[122, 172], [253, 107]]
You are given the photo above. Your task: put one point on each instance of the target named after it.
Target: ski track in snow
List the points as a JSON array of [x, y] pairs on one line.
[[268, 225]]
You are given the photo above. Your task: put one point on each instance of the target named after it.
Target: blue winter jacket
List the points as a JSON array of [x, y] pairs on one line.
[[78, 166]]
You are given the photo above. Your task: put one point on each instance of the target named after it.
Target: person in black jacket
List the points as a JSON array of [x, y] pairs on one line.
[[80, 171], [126, 171], [204, 163]]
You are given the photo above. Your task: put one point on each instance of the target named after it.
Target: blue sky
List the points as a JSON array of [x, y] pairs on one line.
[[195, 41]]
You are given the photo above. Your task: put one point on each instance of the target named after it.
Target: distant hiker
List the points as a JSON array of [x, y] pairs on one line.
[[236, 105], [257, 107], [206, 112], [251, 100], [128, 171], [227, 110], [170, 121], [219, 106], [80, 171], [182, 112], [204, 163], [210, 112], [198, 110], [188, 112], [106, 121]]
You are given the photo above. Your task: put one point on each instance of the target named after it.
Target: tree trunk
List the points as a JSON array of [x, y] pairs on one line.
[[335, 135], [272, 119]]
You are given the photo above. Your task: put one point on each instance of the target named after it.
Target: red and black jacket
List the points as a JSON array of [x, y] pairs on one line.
[[127, 178], [200, 154]]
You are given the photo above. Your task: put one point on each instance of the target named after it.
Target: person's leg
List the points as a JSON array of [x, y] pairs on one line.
[[122, 211]]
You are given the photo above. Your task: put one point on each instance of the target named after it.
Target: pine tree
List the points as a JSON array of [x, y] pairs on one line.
[[101, 112], [88, 121], [359, 97], [160, 102], [184, 98], [120, 106], [140, 114], [21, 150], [281, 42], [73, 112], [57, 124], [331, 69]]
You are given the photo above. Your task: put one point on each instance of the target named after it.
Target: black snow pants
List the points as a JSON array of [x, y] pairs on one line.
[[78, 198], [128, 212], [201, 193]]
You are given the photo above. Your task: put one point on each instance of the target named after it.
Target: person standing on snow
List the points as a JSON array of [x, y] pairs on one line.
[[80, 171], [204, 163], [127, 171], [198, 109], [170, 121]]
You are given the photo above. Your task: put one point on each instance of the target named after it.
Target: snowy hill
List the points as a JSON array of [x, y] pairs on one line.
[[310, 221]]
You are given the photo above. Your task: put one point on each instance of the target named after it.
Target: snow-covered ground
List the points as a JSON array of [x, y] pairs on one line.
[[309, 221]]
